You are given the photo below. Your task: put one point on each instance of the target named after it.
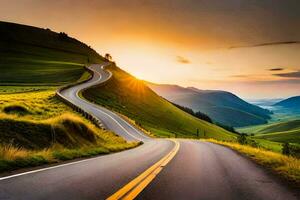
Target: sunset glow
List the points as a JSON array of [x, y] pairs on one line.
[[190, 47]]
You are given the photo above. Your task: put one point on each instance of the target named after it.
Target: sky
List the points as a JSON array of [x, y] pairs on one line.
[[208, 44]]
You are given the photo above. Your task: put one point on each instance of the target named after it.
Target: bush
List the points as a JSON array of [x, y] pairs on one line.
[[252, 143], [286, 149], [294, 150], [242, 139]]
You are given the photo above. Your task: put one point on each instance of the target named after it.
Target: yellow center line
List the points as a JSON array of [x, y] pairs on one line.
[[134, 187]]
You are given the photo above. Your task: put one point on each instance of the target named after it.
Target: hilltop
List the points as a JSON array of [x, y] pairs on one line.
[[223, 107], [31, 55], [290, 103]]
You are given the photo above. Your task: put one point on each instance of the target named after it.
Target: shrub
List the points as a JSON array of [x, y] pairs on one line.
[[242, 139], [286, 149], [295, 150]]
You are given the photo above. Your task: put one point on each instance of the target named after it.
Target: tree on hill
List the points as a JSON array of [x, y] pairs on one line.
[[108, 57], [63, 36]]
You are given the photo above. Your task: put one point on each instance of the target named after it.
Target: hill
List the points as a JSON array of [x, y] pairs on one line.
[[292, 136], [35, 126], [286, 131], [290, 103], [223, 107], [280, 127], [31, 55], [132, 98]]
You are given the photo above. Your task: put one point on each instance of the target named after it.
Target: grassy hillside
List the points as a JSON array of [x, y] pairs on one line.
[[131, 97], [292, 136], [272, 136], [288, 131], [280, 127], [223, 107], [36, 56], [37, 114], [37, 128]]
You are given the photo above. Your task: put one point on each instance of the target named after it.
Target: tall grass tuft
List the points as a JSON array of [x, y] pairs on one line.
[[10, 152]]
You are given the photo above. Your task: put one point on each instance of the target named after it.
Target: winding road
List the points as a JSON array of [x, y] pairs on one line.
[[158, 169]]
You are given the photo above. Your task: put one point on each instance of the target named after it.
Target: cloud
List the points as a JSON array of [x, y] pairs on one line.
[[266, 44], [239, 76], [182, 60], [276, 69], [295, 74]]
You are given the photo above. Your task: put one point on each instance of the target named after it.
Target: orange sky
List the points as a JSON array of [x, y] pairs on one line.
[[183, 42]]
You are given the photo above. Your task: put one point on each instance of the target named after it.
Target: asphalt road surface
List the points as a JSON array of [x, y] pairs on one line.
[[199, 170]]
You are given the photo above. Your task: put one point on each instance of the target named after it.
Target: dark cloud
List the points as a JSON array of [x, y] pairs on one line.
[[266, 44], [182, 60], [276, 69], [289, 75]]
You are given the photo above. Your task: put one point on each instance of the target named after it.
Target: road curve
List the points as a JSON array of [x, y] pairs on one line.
[[199, 170], [109, 119], [95, 178]]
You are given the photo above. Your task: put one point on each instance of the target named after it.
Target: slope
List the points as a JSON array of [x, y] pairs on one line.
[[280, 127], [223, 107], [290, 103], [286, 131], [35, 126], [30, 55], [132, 98], [292, 136]]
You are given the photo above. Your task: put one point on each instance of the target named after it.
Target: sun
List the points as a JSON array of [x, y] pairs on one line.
[[135, 85]]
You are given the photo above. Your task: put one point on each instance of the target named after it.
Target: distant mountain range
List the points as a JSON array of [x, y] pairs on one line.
[[290, 103], [223, 107]]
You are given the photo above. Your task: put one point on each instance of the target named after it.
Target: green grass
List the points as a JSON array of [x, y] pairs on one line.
[[39, 129], [269, 145], [12, 158], [132, 98], [280, 127], [23, 89], [41, 102], [275, 126], [34, 56], [285, 166], [38, 73], [292, 136], [35, 126], [282, 132]]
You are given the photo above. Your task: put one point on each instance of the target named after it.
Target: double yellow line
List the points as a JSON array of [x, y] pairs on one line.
[[134, 187]]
